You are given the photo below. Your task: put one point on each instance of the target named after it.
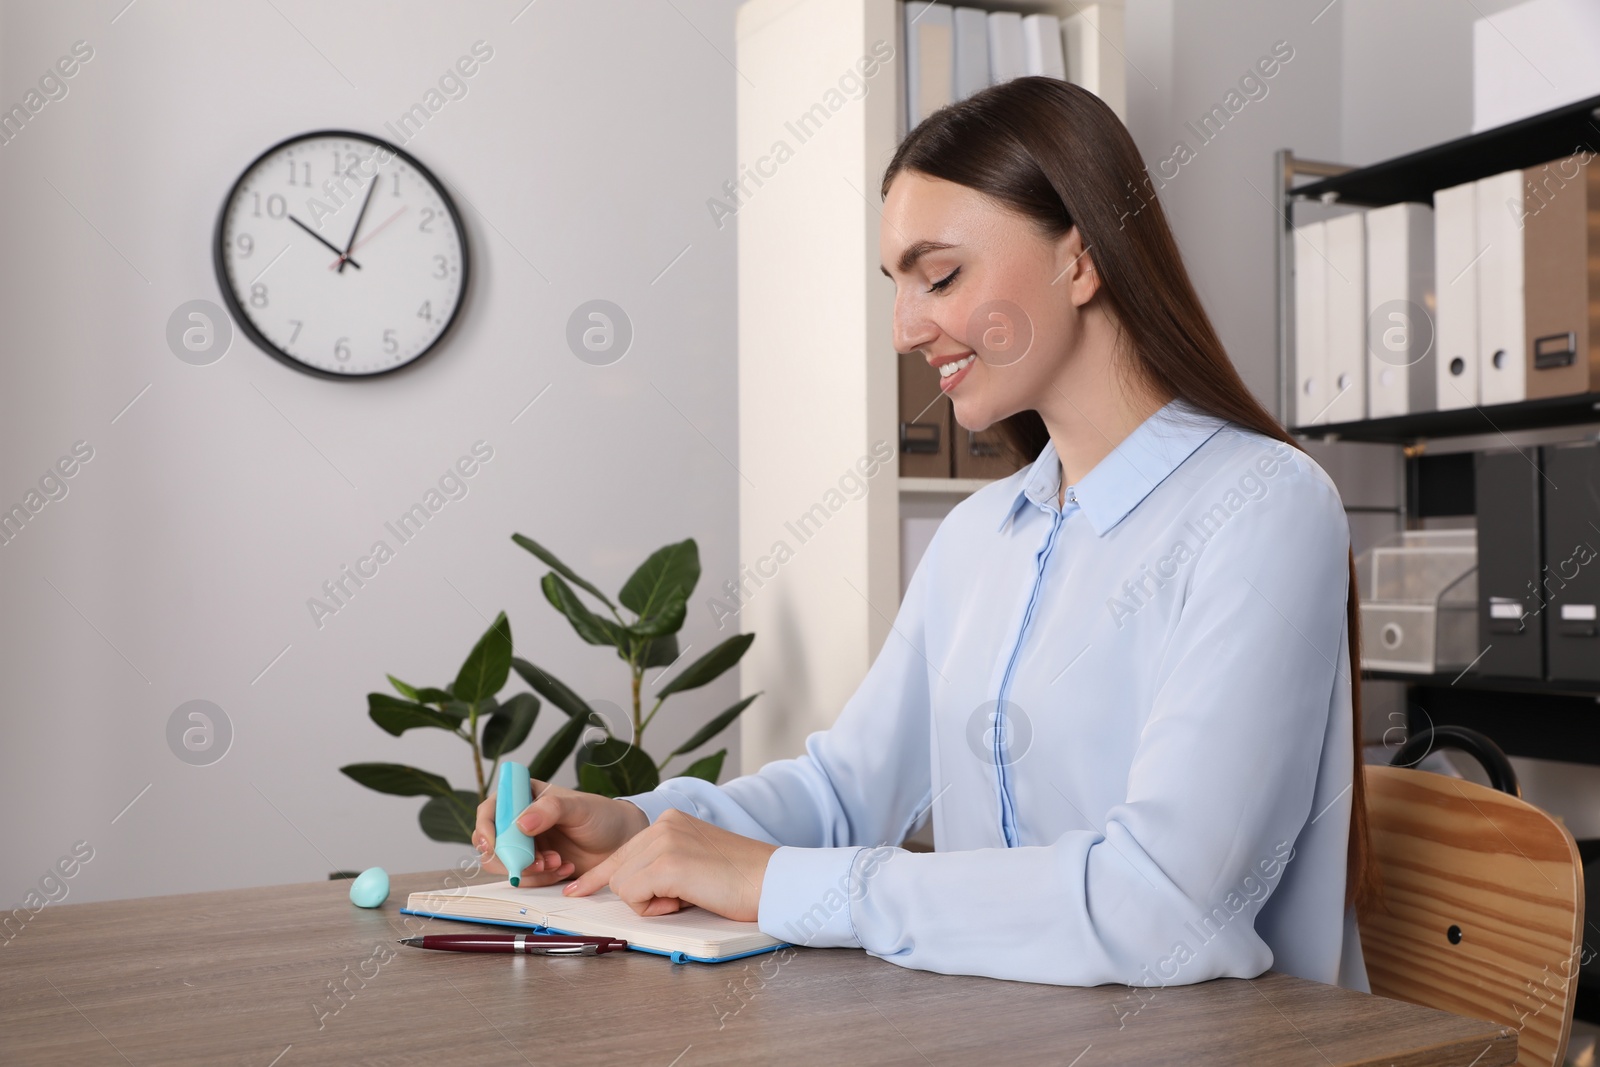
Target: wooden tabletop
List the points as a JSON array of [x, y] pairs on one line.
[[288, 975]]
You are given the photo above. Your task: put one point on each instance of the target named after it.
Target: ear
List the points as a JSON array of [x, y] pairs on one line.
[[1074, 267]]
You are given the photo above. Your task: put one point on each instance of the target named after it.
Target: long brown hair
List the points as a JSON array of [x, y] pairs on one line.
[[1056, 154]]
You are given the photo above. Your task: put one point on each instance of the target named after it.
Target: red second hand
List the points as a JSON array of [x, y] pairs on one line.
[[368, 237]]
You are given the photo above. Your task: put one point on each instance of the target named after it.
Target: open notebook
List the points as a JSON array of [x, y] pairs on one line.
[[690, 934]]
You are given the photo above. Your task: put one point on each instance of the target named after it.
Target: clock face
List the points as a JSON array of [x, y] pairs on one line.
[[341, 255]]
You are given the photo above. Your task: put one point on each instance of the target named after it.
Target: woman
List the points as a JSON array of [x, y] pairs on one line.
[[1121, 680]]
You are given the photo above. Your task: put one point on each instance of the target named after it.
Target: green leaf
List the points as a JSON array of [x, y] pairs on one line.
[[670, 571], [455, 709], [403, 689], [551, 688], [397, 779], [592, 779], [430, 695], [668, 620], [714, 727], [709, 768], [555, 751], [398, 716], [484, 672], [662, 652], [629, 769], [709, 666], [451, 817], [561, 568], [591, 627], [509, 725]]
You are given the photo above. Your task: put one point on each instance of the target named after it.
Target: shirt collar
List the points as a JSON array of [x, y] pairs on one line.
[[1128, 474]]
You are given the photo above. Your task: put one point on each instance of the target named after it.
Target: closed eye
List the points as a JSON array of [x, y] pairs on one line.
[[942, 282]]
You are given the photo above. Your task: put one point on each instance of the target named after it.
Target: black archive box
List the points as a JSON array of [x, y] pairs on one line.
[[1511, 624], [1570, 579]]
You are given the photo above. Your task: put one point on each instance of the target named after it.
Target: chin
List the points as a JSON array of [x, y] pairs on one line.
[[975, 413], [977, 422]]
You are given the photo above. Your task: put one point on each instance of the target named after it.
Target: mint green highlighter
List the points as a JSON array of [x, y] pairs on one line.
[[512, 847]]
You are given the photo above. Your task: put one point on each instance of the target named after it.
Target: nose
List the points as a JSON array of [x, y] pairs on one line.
[[913, 329]]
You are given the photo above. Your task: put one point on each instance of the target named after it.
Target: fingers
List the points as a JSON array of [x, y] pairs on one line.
[[543, 813], [628, 871], [600, 874], [491, 863], [544, 863], [660, 906], [483, 832]]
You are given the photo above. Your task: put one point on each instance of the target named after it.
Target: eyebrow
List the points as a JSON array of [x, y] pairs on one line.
[[915, 251]]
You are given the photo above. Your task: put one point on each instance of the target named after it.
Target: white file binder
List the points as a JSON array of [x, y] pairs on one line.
[[1346, 351], [930, 59], [971, 51], [1455, 253], [1007, 56], [1041, 44], [1502, 357], [1401, 345], [1310, 323]]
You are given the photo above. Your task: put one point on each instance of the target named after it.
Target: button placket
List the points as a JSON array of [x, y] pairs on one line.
[[1002, 777]]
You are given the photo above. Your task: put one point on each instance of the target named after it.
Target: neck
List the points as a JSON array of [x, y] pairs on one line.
[[1090, 408]]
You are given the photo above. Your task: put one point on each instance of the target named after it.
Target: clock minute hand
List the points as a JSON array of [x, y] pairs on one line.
[[344, 256], [368, 238], [324, 240]]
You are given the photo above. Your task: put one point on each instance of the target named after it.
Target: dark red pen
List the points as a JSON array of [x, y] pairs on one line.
[[532, 944]]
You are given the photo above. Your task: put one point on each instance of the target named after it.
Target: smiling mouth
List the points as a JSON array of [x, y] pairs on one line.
[[955, 366]]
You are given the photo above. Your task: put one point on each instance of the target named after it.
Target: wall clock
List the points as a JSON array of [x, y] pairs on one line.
[[341, 255]]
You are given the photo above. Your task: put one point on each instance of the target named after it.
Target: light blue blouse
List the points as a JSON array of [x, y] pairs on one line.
[[1130, 719]]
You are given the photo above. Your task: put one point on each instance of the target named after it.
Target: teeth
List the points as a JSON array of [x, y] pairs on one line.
[[947, 369]]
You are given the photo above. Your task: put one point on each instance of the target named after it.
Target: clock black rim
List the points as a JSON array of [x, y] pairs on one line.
[[242, 319]]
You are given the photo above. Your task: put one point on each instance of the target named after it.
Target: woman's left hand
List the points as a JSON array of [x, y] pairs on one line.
[[683, 860]]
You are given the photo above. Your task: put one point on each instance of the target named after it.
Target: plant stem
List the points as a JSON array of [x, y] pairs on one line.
[[652, 714], [638, 725], [477, 753]]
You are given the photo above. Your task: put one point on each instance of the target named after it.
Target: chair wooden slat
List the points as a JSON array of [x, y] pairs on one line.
[[1501, 872]]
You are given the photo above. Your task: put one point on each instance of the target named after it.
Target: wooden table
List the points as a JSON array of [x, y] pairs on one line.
[[249, 977]]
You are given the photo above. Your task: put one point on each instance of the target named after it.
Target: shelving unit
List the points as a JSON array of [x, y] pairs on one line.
[[1459, 422], [1526, 717], [817, 370]]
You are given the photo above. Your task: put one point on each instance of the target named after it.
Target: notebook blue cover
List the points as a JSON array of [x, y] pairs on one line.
[[675, 957]]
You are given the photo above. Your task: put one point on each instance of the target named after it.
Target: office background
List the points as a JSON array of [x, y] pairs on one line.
[[220, 498]]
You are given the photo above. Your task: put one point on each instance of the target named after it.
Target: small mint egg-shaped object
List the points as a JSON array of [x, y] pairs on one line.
[[370, 888]]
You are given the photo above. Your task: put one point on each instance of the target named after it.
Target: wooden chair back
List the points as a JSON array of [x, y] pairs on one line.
[[1482, 906]]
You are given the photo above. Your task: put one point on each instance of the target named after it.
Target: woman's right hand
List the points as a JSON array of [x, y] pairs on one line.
[[572, 832]]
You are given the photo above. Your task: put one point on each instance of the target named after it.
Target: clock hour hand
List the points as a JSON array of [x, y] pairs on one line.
[[342, 256]]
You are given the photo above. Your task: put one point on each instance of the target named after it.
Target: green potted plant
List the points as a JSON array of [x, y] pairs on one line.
[[657, 595]]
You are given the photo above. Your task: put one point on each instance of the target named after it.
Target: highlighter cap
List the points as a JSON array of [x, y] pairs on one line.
[[512, 847]]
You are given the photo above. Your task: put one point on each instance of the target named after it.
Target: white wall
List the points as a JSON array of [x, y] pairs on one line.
[[179, 564]]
